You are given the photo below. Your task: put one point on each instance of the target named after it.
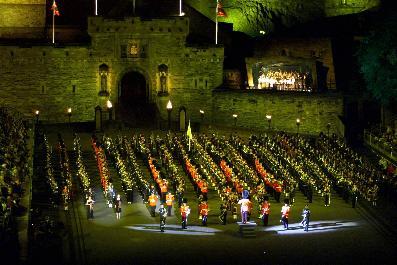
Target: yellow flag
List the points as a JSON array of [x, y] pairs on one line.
[[189, 132]]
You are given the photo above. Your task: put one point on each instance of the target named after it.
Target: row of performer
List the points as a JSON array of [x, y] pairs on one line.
[[245, 210]]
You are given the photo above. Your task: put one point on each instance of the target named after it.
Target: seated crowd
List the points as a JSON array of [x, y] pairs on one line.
[[386, 138], [13, 161]]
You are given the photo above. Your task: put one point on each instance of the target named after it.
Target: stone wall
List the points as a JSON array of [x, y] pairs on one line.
[[52, 79], [315, 111], [22, 18], [42, 77]]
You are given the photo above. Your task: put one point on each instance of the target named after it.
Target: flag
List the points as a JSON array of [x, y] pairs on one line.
[[54, 9], [189, 132], [220, 12]]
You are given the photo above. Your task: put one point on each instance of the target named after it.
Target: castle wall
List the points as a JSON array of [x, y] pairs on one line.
[[43, 78], [22, 18], [52, 79], [315, 111]]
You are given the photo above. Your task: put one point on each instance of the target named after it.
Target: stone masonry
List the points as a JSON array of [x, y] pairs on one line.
[[53, 79], [22, 18]]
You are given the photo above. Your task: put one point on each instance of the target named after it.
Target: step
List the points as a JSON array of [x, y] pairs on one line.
[[247, 230]]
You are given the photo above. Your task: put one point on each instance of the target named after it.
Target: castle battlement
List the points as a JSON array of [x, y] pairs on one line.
[[137, 25]]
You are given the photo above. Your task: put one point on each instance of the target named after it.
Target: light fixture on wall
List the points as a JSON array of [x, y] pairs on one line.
[[269, 119], [298, 123], [109, 105], [37, 113], [169, 109], [235, 120], [69, 110], [202, 115]]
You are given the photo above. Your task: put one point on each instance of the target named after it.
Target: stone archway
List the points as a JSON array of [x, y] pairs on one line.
[[134, 107]]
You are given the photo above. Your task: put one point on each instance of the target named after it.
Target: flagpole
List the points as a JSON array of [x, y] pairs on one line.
[[189, 134], [96, 7], [53, 27], [180, 7], [216, 23]]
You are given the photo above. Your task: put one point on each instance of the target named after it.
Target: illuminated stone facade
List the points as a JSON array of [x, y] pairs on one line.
[[82, 77], [54, 78], [22, 18]]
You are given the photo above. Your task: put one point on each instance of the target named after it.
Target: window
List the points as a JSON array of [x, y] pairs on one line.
[[74, 89]]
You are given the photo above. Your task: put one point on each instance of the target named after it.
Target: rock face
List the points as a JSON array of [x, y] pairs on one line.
[[256, 16]]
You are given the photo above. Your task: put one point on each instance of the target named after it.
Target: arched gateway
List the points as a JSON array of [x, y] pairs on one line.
[[134, 107]]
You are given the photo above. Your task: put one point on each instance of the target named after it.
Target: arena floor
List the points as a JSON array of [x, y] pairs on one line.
[[337, 234]]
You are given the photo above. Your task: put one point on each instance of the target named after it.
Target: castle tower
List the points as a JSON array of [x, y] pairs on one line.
[[22, 19]]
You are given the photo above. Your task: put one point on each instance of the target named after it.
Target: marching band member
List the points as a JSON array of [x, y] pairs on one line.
[[117, 206], [163, 217], [90, 208], [244, 206], [265, 211], [306, 218], [204, 212], [152, 203], [185, 211], [169, 198], [284, 215], [223, 215]]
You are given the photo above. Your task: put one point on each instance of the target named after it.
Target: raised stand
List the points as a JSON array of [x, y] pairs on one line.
[[248, 229]]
